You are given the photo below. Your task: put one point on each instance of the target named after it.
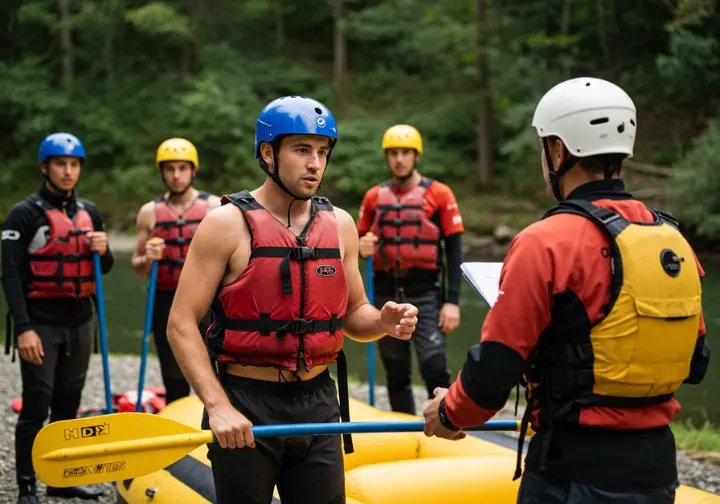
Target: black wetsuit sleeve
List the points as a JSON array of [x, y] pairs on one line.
[[17, 233], [454, 258], [108, 260], [700, 361]]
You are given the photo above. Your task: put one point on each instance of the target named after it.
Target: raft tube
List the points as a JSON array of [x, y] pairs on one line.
[[397, 468]]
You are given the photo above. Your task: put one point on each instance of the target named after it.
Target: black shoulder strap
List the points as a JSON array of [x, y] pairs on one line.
[[160, 199], [607, 219], [203, 195], [666, 217], [321, 204], [243, 200], [425, 182], [612, 223]]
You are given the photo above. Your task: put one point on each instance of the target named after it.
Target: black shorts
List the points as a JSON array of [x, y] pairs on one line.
[[306, 469]]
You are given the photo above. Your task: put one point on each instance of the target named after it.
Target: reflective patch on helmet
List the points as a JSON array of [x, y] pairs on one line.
[[326, 270]]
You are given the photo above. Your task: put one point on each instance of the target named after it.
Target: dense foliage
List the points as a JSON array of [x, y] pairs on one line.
[[125, 74]]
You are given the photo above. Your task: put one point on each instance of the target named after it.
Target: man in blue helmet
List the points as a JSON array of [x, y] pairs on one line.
[[48, 241], [278, 267]]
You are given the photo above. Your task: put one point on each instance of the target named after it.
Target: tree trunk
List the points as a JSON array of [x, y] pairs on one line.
[[189, 57], [66, 44], [279, 27], [602, 32], [339, 51], [565, 29], [484, 112]]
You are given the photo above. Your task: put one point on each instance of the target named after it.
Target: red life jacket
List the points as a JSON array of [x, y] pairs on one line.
[[286, 309], [63, 267], [177, 231], [407, 237]]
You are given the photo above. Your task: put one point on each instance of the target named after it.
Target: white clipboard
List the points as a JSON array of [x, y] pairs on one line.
[[484, 277]]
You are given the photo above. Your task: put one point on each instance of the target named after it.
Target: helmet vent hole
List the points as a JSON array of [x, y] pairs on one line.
[[621, 127], [317, 109], [632, 121], [587, 84], [601, 120]]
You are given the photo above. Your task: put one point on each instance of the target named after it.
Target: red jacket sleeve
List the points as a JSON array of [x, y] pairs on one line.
[[509, 333], [367, 211]]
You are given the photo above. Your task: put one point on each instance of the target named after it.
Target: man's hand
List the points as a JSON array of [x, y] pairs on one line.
[[398, 320], [449, 317], [98, 241], [154, 249], [30, 347], [433, 427], [230, 427], [367, 245]]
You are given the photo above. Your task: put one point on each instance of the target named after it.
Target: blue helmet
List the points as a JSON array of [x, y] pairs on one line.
[[61, 144], [294, 115]]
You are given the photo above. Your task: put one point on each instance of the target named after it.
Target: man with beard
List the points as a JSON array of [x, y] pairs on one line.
[[279, 266], [407, 224], [48, 242], [165, 227]]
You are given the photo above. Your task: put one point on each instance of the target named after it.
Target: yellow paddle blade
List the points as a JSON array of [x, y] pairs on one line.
[[111, 447]]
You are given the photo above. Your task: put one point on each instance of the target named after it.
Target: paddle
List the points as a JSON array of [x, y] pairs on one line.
[[371, 346], [103, 330], [128, 445], [146, 333]]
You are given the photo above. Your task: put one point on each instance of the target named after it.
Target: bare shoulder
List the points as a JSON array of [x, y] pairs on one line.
[[146, 215], [223, 228], [213, 201], [344, 219]]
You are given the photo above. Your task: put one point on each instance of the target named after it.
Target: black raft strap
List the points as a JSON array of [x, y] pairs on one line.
[[295, 253], [344, 399]]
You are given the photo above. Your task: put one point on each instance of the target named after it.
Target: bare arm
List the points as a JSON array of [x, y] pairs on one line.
[[216, 239], [364, 322], [144, 224]]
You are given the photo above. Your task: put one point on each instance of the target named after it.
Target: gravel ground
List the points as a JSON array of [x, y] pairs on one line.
[[124, 378]]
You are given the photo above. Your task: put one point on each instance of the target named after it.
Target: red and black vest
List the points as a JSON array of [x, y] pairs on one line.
[[286, 309], [407, 237], [177, 232], [63, 267]]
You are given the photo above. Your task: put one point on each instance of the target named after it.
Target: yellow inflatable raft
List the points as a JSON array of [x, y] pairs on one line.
[[391, 468]]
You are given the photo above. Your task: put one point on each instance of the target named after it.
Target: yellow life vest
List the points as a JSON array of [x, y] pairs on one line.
[[642, 348]]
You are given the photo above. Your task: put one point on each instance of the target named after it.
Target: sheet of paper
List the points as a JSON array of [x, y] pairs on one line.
[[484, 277]]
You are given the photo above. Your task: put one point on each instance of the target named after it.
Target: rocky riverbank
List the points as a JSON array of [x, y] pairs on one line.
[[124, 372]]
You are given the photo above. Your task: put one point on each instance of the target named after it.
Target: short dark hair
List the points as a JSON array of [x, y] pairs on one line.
[[598, 164]]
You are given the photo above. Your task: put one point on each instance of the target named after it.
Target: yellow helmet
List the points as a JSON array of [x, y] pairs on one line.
[[177, 149], [402, 136]]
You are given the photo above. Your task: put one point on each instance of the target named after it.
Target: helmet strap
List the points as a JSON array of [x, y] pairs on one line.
[[556, 175], [275, 177]]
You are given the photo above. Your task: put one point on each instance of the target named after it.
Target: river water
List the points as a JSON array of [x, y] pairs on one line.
[[125, 299]]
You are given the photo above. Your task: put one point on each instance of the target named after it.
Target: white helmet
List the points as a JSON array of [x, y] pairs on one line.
[[591, 116]]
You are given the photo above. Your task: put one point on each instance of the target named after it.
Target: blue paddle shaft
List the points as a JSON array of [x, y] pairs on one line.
[[265, 431], [149, 306], [103, 330], [371, 345]]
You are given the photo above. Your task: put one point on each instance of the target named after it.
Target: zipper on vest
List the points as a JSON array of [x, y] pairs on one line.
[[301, 350]]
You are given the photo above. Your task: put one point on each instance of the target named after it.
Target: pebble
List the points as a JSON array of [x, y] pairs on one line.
[[124, 371]]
